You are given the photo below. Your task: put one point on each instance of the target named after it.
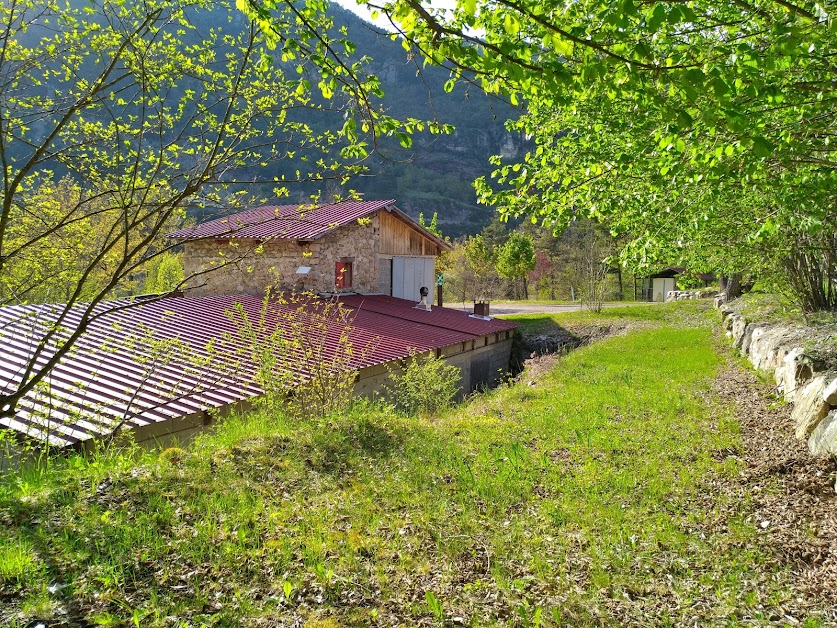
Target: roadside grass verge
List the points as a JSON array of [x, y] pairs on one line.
[[684, 312], [577, 500]]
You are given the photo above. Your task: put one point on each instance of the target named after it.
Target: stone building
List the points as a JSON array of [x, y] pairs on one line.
[[353, 246]]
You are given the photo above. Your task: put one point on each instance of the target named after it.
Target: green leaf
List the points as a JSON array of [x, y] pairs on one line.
[[562, 46], [510, 24], [684, 120], [657, 17], [762, 147], [694, 77], [404, 139]]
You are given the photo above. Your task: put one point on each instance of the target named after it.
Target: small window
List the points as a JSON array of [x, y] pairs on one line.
[[343, 275]]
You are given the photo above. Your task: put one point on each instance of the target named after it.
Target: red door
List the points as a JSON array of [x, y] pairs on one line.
[[343, 275]]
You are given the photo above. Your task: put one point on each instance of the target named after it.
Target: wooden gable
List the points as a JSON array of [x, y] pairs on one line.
[[398, 237]]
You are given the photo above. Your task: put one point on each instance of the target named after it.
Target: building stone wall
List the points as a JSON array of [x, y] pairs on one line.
[[358, 243], [249, 267]]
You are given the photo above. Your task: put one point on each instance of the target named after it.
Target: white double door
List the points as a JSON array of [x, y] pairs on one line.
[[410, 274]]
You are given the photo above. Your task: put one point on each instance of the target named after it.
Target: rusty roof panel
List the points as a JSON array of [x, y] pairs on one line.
[[440, 317]]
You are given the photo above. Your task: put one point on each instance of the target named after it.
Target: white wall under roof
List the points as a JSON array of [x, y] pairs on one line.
[[409, 274]]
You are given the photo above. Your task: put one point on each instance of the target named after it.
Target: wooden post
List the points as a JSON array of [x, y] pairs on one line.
[[439, 296]]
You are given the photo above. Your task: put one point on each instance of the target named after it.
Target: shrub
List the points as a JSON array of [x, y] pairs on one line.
[[304, 353], [426, 384]]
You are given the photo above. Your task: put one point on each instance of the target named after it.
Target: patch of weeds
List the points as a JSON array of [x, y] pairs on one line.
[[769, 307]]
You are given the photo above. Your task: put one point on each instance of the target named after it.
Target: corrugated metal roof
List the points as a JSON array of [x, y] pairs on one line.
[[292, 222], [441, 317], [152, 362]]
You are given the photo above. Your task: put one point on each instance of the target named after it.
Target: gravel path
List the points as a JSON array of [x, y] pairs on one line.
[[791, 494]]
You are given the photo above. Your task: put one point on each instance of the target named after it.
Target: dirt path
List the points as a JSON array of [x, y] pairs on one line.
[[789, 493]]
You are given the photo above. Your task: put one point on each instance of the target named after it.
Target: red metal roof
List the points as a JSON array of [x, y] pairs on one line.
[[673, 271], [438, 317], [292, 222], [151, 362]]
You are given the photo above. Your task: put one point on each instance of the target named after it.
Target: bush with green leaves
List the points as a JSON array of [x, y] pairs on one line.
[[425, 384], [304, 351]]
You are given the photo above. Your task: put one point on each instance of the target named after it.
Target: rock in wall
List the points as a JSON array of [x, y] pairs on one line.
[[780, 349]]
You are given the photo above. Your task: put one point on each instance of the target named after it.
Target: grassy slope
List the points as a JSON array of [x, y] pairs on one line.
[[574, 500]]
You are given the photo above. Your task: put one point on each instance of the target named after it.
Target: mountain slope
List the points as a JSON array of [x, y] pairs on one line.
[[436, 173]]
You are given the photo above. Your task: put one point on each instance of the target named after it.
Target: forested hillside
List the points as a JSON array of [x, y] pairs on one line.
[[436, 173]]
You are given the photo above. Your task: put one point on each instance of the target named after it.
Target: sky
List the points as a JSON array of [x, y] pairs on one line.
[[363, 11], [382, 21]]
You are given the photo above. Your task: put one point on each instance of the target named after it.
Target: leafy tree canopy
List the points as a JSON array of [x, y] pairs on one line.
[[676, 123], [516, 257]]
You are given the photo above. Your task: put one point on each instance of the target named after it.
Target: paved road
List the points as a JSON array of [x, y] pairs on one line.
[[533, 308]]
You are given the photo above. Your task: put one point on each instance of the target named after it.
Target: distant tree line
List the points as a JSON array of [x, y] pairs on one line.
[[528, 261]]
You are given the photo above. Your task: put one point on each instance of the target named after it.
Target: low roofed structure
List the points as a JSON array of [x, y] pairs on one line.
[[161, 367]]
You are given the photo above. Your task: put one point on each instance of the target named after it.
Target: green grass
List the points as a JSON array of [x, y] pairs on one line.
[[768, 308], [682, 313], [579, 500]]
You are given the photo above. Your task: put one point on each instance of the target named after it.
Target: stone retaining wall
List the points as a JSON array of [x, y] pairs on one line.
[[684, 295], [803, 380]]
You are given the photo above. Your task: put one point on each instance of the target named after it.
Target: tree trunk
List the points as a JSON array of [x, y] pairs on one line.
[[812, 274], [621, 287], [525, 289], [731, 286]]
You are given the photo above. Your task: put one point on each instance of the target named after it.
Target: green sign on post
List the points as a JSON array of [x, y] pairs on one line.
[[440, 279]]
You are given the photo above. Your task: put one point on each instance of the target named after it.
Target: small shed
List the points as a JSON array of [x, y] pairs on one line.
[[657, 286]]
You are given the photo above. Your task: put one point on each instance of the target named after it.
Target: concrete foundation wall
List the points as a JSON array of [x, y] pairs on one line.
[[482, 364], [174, 432], [179, 432], [371, 380]]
